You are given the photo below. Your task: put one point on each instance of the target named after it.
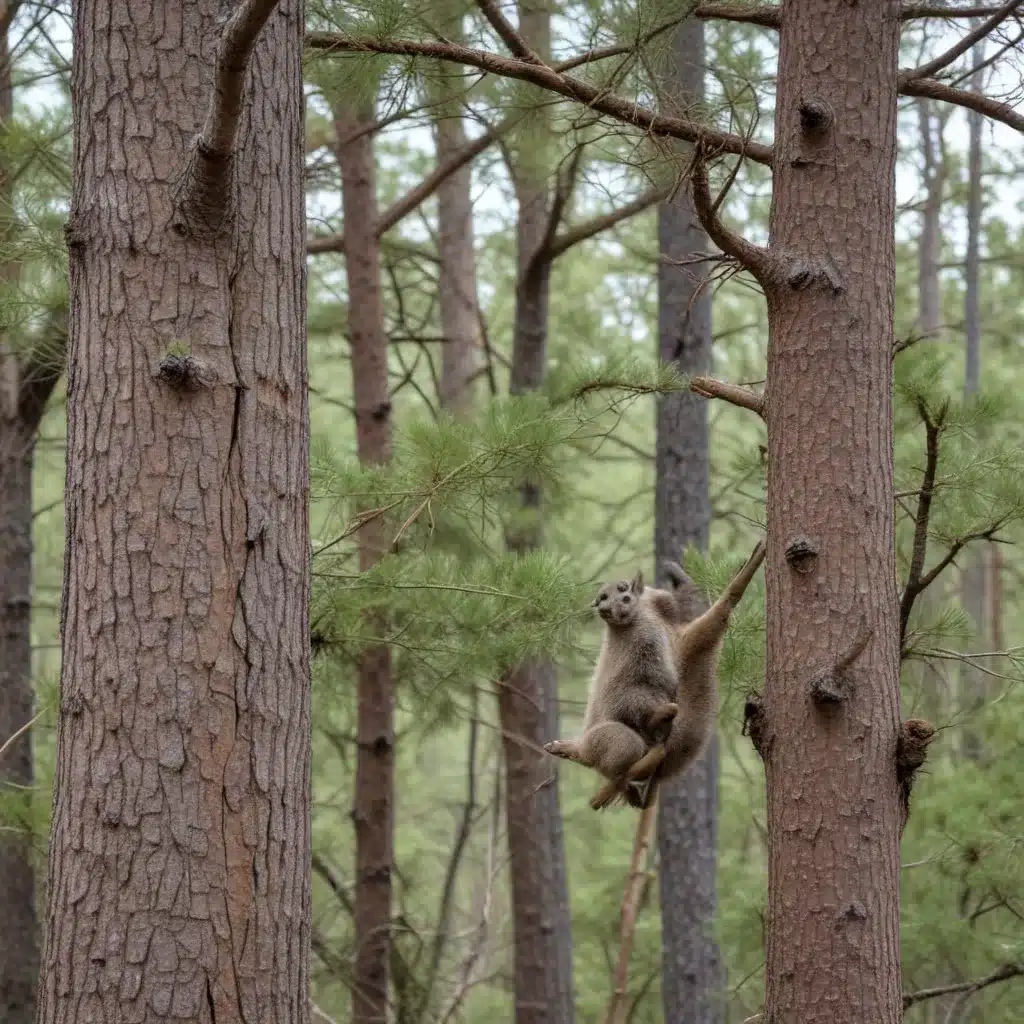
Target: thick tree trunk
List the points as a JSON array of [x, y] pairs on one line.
[[179, 859], [373, 806], [457, 286], [692, 970], [834, 807], [528, 700]]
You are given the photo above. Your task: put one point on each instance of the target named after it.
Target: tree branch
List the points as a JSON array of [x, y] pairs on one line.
[[589, 228], [708, 387], [958, 49], [516, 44], [553, 80], [752, 257], [915, 584], [635, 882], [935, 90], [204, 198], [1003, 973]]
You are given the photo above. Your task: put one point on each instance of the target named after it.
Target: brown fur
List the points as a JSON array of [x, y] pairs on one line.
[[654, 695]]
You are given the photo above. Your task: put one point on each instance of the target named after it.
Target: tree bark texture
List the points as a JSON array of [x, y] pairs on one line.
[[457, 283], [373, 807], [528, 699], [687, 823], [179, 858], [833, 798]]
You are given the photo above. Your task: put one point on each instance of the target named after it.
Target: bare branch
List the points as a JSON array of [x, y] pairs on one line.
[[910, 12], [552, 79], [994, 109], [635, 882], [752, 257], [588, 229], [915, 584], [516, 44], [708, 387], [203, 200], [1003, 973], [933, 67]]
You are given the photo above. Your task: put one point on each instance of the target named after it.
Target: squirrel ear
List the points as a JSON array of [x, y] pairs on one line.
[[637, 585], [593, 604]]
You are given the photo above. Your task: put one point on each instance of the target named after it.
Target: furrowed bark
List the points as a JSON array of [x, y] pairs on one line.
[[528, 699], [834, 809], [692, 971], [373, 801], [179, 858]]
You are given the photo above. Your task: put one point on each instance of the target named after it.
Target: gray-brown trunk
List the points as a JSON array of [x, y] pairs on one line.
[[457, 282], [179, 858], [692, 970], [834, 809], [973, 683], [19, 945], [929, 297], [528, 701], [373, 802]]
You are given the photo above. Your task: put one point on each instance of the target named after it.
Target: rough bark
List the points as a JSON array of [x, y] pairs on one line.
[[373, 803], [973, 688], [179, 858], [528, 700], [692, 970], [457, 285], [834, 808]]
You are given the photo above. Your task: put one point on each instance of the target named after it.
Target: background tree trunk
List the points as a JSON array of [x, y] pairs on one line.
[[528, 700], [373, 804], [833, 800], [179, 859], [973, 684], [457, 293], [25, 387], [929, 250], [687, 822]]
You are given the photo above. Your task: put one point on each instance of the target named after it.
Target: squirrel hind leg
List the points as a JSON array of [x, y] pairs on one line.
[[636, 787]]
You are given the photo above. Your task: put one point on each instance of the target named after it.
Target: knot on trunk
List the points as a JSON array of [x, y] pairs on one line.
[[184, 373], [754, 724], [801, 553], [911, 754], [815, 116]]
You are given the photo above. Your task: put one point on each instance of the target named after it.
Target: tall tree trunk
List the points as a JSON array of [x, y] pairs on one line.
[[973, 688], [528, 700], [834, 809], [929, 299], [458, 296], [24, 390], [373, 806], [179, 858], [692, 971]]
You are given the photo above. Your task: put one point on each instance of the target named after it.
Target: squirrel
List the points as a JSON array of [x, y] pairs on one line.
[[654, 696]]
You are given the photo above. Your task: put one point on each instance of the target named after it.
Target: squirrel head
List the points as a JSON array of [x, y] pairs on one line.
[[618, 602]]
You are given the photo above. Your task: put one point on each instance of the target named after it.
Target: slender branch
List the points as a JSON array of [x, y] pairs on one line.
[[635, 881], [516, 44], [588, 229], [401, 208], [708, 387], [1003, 973], [553, 80], [752, 257], [958, 49], [204, 198], [910, 12], [915, 584], [994, 109]]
